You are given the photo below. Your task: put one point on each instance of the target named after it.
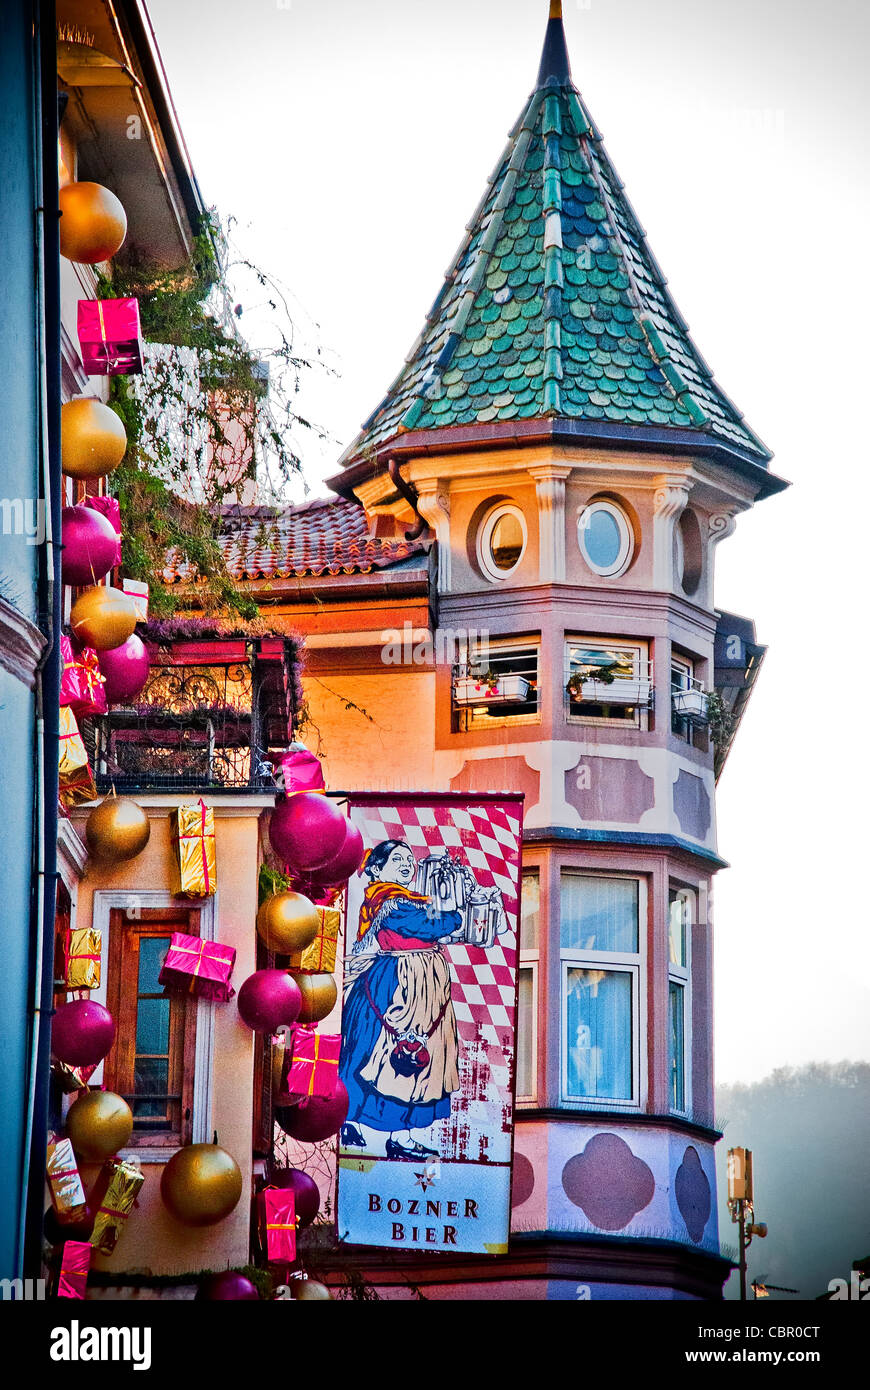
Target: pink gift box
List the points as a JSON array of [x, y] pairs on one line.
[[110, 337], [278, 1224], [203, 968], [137, 590], [82, 683], [313, 1066], [74, 1265], [300, 771], [108, 507]]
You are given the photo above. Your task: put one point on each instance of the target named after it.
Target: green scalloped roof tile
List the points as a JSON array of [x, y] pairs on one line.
[[509, 412]]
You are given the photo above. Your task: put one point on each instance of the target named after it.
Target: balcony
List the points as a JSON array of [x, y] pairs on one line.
[[608, 683], [213, 716], [689, 703]]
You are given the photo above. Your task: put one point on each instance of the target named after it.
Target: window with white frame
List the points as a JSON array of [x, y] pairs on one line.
[[600, 962], [501, 541], [679, 997], [527, 1015], [682, 678], [497, 682], [607, 681], [605, 537]]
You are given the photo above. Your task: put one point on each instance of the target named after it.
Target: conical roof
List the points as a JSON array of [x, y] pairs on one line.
[[554, 307]]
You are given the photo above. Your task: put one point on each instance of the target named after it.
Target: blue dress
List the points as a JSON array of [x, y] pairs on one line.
[[407, 982]]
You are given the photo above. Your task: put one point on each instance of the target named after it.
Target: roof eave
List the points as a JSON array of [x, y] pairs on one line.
[[507, 434]]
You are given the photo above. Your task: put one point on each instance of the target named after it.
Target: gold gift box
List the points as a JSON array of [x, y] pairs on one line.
[[118, 1186], [75, 781], [196, 855], [64, 1181], [82, 950], [319, 957]]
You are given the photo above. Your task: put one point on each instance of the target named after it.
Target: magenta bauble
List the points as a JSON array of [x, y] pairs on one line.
[[305, 1191], [269, 999], [348, 859], [230, 1286], [314, 1119], [125, 669], [307, 830], [82, 1033], [90, 545]]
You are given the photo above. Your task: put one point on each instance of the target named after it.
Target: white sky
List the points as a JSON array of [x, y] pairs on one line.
[[352, 141]]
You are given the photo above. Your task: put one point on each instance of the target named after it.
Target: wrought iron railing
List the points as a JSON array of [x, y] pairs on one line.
[[217, 724]]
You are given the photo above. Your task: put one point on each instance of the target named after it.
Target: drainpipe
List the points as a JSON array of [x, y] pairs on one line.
[[410, 495], [47, 689]]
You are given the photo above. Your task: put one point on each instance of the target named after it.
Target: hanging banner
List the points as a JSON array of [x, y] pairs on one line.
[[429, 1022]]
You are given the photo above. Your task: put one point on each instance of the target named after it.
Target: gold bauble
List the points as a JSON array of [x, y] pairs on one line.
[[92, 438], [116, 830], [310, 1291], [103, 617], [319, 993], [93, 223], [287, 923], [99, 1123], [201, 1184]]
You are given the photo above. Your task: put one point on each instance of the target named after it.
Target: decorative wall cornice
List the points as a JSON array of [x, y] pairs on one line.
[[21, 644]]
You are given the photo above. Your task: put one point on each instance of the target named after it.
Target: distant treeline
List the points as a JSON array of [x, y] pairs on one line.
[[809, 1132]]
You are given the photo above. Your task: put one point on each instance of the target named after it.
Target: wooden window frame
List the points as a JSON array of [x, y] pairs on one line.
[[121, 998]]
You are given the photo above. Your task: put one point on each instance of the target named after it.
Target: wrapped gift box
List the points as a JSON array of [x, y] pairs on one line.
[[196, 857], [69, 1078], [299, 771], [82, 684], [75, 1261], [75, 780], [202, 968], [82, 953], [64, 1181], [110, 337], [312, 1069], [137, 590], [278, 1224], [319, 957], [109, 508], [114, 1197]]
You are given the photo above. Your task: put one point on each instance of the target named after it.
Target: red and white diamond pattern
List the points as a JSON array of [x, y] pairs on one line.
[[488, 838]]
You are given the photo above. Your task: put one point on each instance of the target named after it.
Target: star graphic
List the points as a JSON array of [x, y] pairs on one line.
[[424, 1181]]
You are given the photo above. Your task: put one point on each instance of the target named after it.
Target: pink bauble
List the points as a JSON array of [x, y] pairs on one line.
[[269, 999], [307, 830], [227, 1287], [348, 859], [82, 1033], [90, 545], [125, 669], [305, 1190], [314, 1119]]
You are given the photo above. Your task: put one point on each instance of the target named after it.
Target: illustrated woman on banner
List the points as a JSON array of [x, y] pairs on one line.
[[400, 1046]]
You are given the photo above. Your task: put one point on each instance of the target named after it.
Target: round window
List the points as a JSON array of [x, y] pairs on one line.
[[605, 538], [502, 541]]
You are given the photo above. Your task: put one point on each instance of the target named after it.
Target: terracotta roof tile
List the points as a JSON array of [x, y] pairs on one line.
[[329, 536]]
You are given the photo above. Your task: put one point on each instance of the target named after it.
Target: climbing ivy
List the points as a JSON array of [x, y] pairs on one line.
[[210, 421]]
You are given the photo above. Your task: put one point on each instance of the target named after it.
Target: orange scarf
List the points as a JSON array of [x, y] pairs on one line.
[[377, 894]]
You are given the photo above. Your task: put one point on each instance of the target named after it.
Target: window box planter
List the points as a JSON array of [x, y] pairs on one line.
[[632, 690], [470, 690], [691, 704]]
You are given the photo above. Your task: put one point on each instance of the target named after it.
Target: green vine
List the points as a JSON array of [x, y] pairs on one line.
[[205, 392], [720, 720]]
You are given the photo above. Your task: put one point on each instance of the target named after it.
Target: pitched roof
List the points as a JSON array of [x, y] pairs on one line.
[[555, 307], [329, 536]]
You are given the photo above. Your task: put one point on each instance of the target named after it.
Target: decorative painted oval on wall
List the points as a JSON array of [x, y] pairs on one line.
[[524, 1180], [692, 1191], [608, 1182]]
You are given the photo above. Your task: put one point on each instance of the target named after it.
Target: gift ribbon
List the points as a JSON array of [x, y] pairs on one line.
[[312, 1062], [192, 951], [201, 837]]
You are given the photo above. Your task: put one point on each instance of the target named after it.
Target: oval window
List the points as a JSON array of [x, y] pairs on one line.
[[502, 541], [605, 538]]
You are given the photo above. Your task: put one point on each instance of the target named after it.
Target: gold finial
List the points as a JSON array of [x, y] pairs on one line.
[[555, 9]]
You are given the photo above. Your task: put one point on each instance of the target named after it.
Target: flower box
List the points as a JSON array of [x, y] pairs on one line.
[[470, 690], [691, 704], [110, 337], [630, 690]]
